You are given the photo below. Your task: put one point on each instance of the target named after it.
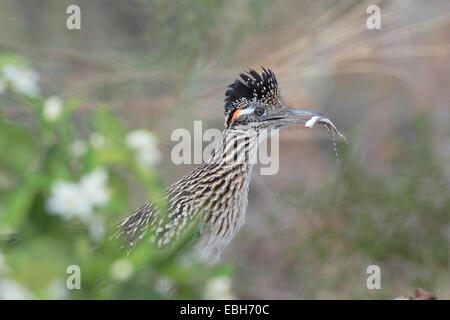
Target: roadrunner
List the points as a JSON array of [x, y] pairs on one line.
[[216, 192]]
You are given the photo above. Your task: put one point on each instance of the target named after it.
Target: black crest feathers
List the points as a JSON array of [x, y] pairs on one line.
[[252, 86]]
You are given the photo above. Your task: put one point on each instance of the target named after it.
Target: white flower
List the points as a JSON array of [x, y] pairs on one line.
[[144, 143], [11, 290], [53, 107], [2, 85], [139, 139], [22, 80], [148, 157], [94, 187], [97, 140], [219, 288], [69, 199], [78, 149], [122, 269]]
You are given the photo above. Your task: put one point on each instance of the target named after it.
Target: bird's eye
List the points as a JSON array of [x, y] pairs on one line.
[[259, 111]]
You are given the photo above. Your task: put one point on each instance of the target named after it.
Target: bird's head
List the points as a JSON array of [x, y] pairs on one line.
[[254, 102]]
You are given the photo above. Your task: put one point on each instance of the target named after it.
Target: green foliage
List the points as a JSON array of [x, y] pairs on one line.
[[38, 243]]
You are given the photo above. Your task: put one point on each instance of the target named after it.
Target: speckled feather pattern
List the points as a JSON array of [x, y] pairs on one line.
[[217, 190]]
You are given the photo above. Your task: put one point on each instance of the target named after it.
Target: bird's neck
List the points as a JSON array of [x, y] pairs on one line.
[[237, 147]]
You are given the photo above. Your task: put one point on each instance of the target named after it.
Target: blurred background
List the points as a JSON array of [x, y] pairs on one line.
[[75, 105]]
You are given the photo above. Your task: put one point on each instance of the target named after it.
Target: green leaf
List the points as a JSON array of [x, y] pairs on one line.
[[16, 206], [17, 148]]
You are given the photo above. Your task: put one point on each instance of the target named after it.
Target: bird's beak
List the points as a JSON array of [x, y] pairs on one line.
[[291, 116]]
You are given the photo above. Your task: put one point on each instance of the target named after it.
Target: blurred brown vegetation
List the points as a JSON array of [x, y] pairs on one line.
[[312, 229]]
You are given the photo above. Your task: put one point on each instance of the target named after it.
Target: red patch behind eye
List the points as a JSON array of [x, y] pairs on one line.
[[235, 115]]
